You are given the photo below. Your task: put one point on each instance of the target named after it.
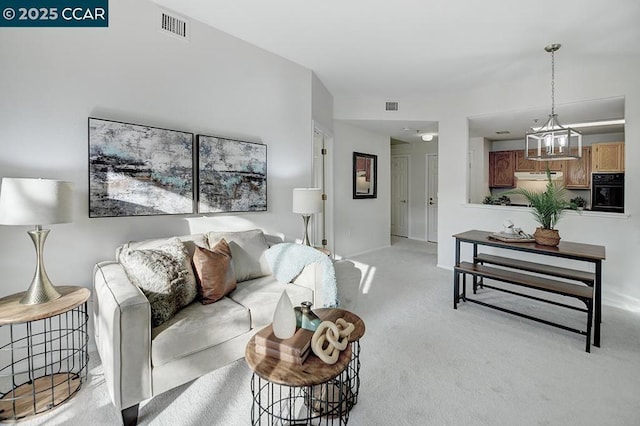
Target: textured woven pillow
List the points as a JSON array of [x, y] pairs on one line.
[[164, 275], [214, 271]]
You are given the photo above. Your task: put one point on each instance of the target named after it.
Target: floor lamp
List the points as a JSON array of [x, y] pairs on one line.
[[36, 202], [307, 201]]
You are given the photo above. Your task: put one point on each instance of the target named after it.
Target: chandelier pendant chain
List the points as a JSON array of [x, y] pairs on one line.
[[553, 85]]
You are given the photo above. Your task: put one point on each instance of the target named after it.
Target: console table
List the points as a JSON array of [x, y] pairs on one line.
[[590, 254], [43, 352]]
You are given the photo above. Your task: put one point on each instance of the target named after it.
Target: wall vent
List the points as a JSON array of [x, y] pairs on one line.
[[174, 25], [391, 106]]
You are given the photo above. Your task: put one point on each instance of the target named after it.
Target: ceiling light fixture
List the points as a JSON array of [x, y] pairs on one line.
[[427, 137], [553, 141]]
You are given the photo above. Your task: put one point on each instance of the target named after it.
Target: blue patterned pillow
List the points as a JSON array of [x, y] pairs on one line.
[[164, 275]]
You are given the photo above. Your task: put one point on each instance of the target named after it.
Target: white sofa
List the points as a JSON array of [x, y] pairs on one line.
[[140, 361]]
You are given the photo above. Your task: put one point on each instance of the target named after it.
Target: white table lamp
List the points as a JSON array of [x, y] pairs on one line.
[[307, 201], [36, 202]]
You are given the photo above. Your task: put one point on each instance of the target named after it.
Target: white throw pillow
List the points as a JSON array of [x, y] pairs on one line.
[[247, 252]]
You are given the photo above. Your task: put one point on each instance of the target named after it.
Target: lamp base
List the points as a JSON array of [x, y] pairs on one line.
[[41, 289], [305, 219]]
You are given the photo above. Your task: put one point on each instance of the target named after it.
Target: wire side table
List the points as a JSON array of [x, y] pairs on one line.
[[332, 314], [313, 393], [43, 352]]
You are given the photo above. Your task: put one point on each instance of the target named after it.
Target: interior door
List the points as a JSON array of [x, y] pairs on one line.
[[400, 195], [432, 198]]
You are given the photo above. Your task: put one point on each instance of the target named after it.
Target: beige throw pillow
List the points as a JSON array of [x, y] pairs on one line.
[[164, 275], [214, 271], [247, 250]]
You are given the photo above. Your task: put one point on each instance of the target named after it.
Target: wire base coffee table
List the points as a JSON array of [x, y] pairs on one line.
[[313, 393]]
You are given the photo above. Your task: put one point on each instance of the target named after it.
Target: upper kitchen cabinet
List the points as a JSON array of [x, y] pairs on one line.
[[525, 165], [577, 173], [502, 169], [607, 157]]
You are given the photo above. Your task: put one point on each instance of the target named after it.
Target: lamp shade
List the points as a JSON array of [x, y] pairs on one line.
[[35, 201], [307, 200]]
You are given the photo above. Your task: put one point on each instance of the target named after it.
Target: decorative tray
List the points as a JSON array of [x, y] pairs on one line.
[[520, 237]]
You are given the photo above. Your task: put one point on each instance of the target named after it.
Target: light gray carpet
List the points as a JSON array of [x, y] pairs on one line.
[[425, 363]]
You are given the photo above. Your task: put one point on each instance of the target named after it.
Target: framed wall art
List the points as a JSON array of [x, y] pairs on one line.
[[365, 175], [232, 175], [137, 170]]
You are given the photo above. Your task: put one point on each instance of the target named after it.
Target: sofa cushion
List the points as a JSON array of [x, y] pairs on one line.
[[189, 241], [247, 251], [261, 296], [164, 275], [198, 327], [214, 271]]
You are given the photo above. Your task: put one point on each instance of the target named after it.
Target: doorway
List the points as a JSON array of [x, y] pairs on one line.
[[400, 195], [432, 197]]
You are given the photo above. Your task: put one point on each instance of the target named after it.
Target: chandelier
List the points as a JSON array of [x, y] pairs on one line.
[[553, 141]]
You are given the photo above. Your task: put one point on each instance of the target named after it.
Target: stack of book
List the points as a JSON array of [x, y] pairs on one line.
[[294, 349]]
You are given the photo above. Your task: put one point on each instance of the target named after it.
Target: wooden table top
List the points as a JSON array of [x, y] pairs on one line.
[[313, 370], [332, 314], [564, 249], [13, 312]]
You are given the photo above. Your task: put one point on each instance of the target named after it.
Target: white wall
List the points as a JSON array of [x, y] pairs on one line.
[[417, 152], [321, 105], [587, 78], [364, 224], [52, 79]]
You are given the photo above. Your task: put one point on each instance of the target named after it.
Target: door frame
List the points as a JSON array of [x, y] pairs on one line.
[[318, 226], [426, 198]]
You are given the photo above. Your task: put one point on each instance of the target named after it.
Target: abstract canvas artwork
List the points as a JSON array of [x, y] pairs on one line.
[[232, 175], [137, 170]]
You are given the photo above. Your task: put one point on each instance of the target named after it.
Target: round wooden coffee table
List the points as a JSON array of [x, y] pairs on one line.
[[310, 393], [332, 314]]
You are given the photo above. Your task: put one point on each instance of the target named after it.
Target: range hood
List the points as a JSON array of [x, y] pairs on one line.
[[537, 176]]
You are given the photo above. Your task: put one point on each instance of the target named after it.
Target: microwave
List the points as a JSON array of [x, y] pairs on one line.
[[607, 192]]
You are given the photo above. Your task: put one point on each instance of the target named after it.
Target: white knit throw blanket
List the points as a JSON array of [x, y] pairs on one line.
[[287, 260]]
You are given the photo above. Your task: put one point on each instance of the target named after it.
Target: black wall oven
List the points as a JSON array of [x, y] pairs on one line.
[[607, 192]]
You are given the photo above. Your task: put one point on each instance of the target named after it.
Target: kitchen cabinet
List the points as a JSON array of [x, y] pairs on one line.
[[501, 169], [607, 157], [554, 166], [577, 173], [525, 165]]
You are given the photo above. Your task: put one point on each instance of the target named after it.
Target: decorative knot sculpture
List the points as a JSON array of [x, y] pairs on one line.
[[329, 339]]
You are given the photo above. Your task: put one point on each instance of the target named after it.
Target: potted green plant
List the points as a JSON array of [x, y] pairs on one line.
[[488, 200], [579, 202], [503, 200], [547, 207]]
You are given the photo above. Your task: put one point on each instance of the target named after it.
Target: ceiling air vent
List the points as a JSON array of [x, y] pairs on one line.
[[391, 106], [174, 25]]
